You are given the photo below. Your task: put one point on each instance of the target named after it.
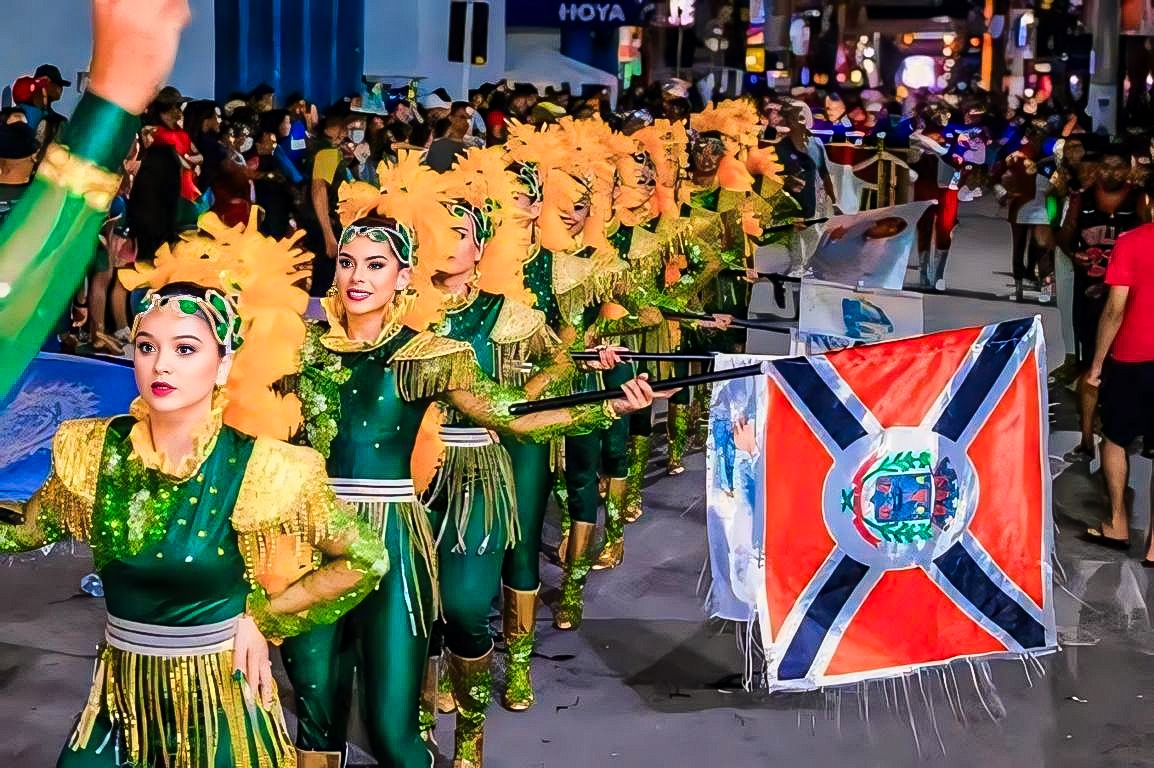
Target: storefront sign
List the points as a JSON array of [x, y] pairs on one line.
[[535, 13]]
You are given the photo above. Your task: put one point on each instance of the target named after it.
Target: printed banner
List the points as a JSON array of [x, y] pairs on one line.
[[733, 494], [835, 317], [870, 249], [53, 389], [908, 523]]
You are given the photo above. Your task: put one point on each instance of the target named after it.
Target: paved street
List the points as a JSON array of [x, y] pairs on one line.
[[648, 681]]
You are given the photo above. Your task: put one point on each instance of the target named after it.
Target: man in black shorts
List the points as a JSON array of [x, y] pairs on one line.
[[1124, 364]]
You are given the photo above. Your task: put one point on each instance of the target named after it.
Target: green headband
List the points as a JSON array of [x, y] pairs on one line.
[[483, 227], [220, 311], [399, 238], [530, 179]]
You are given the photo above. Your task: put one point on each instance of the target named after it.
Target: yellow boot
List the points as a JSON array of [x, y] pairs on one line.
[[520, 629], [318, 759], [578, 564], [473, 686]]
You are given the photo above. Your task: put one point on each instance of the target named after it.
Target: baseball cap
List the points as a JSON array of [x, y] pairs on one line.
[[26, 87], [171, 95], [52, 73]]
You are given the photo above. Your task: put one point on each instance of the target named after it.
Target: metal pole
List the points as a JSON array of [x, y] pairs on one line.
[[467, 58], [680, 38], [1103, 90]]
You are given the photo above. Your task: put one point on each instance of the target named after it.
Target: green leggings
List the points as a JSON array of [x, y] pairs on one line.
[[470, 576], [385, 640], [533, 482], [589, 456], [106, 749]]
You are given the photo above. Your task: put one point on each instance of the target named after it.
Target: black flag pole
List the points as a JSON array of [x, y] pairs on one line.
[[600, 395], [737, 321]]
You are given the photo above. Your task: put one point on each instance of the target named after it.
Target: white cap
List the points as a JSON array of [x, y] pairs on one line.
[[433, 101]]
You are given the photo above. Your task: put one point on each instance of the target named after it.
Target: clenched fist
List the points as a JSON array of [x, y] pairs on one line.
[[134, 45]]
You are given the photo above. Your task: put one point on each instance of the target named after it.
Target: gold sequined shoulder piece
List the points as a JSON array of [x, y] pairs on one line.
[[284, 508], [76, 452], [516, 323], [571, 272], [430, 365]]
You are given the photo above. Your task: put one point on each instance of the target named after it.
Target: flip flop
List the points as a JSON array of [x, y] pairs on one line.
[[1095, 536]]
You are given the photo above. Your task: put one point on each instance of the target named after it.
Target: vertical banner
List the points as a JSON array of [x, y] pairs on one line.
[[734, 495], [870, 249], [53, 389]]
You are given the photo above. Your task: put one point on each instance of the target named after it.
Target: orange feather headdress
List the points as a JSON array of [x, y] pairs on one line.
[[261, 277]]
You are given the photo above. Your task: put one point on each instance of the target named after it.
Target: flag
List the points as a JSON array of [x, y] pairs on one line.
[[53, 389], [907, 511]]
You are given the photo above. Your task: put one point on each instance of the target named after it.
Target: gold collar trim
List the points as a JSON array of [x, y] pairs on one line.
[[203, 440], [336, 339]]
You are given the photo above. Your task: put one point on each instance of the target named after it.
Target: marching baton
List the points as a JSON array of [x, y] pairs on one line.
[[792, 224], [646, 357], [738, 322], [600, 395]]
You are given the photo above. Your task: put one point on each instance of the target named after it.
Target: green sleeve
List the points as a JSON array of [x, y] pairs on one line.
[[30, 526], [49, 240]]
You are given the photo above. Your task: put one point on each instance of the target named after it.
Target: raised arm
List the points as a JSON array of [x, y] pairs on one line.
[[48, 241]]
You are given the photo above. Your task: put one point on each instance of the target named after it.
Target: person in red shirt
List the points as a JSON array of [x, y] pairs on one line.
[[1124, 364]]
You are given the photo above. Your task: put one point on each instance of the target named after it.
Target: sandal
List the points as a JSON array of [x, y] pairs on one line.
[[1095, 536]]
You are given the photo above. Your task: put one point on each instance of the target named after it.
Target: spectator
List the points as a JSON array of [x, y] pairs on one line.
[[436, 107], [356, 148], [298, 142], [1094, 220], [153, 204], [1123, 366], [18, 152], [262, 98], [803, 156], [202, 121], [444, 151], [477, 125], [167, 115], [233, 189], [329, 171], [272, 190], [52, 121]]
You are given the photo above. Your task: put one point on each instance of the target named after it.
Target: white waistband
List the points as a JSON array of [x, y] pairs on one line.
[[466, 437], [356, 489], [168, 642]]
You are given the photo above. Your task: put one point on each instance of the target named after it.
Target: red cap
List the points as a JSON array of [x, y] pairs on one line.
[[495, 119], [26, 87]]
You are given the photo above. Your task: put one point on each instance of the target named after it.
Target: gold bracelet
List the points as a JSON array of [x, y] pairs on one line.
[[79, 177]]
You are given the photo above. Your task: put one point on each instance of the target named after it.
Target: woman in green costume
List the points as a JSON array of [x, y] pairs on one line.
[[367, 379], [48, 241], [210, 544]]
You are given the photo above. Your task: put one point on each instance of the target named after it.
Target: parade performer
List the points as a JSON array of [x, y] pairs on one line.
[[48, 241], [940, 152], [368, 376], [211, 537]]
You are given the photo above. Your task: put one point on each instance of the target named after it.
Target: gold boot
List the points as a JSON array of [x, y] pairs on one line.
[[318, 759], [578, 562], [613, 551], [428, 709], [520, 628], [473, 685], [640, 446], [677, 427]]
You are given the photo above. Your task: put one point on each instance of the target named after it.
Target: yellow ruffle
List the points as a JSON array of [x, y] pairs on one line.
[[336, 339], [203, 440]]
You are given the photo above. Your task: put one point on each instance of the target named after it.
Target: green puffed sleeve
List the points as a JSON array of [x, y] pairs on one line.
[[48, 242]]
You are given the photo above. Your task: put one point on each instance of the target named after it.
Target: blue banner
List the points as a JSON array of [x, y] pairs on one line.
[[559, 13], [53, 389]]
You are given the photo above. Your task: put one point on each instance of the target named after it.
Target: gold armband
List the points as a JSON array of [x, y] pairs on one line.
[[79, 177]]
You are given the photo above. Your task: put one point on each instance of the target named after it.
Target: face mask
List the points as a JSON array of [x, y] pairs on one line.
[[357, 136], [246, 145]]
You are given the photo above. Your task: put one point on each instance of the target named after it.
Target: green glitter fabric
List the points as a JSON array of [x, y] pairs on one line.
[[518, 682], [321, 377], [472, 681]]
